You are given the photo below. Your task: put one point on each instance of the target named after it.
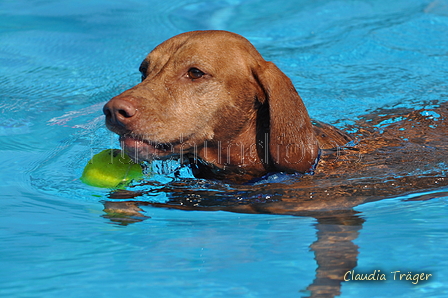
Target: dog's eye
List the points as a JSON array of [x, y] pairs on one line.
[[194, 73], [143, 72], [143, 69]]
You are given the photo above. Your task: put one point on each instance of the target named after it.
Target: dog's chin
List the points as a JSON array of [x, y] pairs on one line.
[[142, 150]]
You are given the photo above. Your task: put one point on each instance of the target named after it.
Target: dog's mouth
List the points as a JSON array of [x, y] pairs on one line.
[[140, 149]]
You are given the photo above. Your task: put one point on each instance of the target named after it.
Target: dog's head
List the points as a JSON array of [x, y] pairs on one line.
[[208, 88]]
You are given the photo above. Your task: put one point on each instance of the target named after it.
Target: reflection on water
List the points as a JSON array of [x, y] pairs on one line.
[[335, 252], [400, 151]]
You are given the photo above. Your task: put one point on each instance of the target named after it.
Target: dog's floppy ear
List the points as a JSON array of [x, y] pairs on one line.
[[292, 144]]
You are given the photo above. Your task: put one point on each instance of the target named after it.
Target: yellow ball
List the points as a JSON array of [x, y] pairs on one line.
[[111, 168]]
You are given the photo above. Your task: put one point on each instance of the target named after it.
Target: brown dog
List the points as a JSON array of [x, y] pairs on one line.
[[208, 97]]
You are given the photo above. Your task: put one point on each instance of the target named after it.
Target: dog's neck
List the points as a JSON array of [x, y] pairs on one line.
[[239, 152]]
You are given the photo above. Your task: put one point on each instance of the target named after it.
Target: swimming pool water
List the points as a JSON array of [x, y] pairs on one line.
[[61, 60]]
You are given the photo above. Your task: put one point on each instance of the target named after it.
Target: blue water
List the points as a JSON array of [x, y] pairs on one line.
[[61, 60]]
